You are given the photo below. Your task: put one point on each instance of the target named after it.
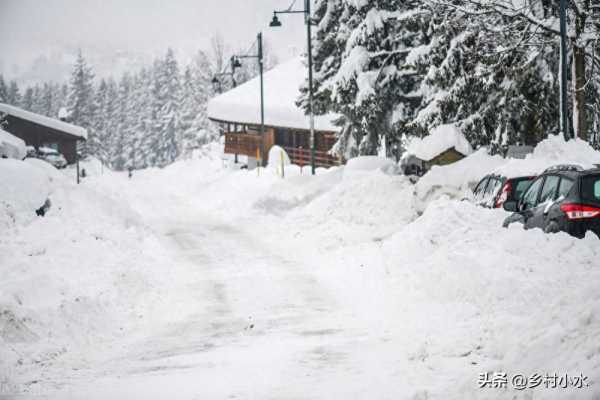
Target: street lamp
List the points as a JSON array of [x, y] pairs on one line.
[[259, 58], [234, 63], [276, 23]]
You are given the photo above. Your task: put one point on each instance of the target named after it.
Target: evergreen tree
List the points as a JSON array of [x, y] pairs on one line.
[[81, 101], [3, 90], [13, 95]]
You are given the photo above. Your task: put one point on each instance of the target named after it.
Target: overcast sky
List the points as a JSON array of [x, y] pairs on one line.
[[54, 29]]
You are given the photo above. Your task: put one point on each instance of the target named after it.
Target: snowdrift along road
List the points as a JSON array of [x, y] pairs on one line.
[[197, 281]]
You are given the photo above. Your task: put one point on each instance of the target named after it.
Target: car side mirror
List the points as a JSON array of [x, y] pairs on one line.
[[510, 205]]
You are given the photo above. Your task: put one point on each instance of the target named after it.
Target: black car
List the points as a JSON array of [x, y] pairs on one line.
[[493, 190], [563, 198]]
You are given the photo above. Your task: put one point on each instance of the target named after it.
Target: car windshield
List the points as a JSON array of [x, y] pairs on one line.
[[590, 189]]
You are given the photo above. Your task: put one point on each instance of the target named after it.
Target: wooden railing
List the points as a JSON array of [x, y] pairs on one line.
[[300, 156], [242, 143]]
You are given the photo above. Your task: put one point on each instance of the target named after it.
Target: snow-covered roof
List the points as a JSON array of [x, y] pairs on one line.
[[43, 120], [440, 139], [281, 89]]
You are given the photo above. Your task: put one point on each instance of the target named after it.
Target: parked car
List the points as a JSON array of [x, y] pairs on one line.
[[51, 156], [493, 189], [563, 198]]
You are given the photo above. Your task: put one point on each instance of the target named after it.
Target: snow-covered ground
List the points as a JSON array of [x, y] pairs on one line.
[[200, 281]]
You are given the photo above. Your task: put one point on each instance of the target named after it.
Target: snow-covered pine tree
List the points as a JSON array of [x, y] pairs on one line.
[[168, 98], [121, 143], [46, 100], [27, 101], [195, 127], [362, 70], [143, 152], [535, 24], [3, 90], [81, 100], [14, 94]]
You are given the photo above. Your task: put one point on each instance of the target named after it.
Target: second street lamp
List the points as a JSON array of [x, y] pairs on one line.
[[259, 57], [276, 23]]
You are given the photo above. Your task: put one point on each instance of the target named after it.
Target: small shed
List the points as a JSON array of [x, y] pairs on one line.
[[40, 131], [444, 145]]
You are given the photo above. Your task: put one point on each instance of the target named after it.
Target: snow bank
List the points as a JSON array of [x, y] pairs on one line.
[[24, 188], [457, 179], [440, 139], [11, 146], [371, 163], [74, 279]]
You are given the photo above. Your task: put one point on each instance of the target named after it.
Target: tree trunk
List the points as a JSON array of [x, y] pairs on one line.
[[579, 120]]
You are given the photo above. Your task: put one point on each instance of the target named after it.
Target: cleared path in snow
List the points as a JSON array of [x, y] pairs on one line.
[[256, 324]]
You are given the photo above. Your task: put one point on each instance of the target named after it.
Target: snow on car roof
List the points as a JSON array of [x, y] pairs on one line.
[[440, 139], [281, 89], [43, 120]]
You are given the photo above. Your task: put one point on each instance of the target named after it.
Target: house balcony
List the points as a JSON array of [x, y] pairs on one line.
[[243, 143], [300, 156]]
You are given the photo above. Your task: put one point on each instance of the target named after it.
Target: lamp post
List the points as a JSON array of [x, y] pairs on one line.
[[234, 63], [276, 23], [259, 58], [564, 110]]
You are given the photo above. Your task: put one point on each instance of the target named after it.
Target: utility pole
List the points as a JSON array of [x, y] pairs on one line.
[[307, 18], [310, 86]]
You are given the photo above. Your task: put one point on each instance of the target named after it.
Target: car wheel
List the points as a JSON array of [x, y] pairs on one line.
[[552, 227]]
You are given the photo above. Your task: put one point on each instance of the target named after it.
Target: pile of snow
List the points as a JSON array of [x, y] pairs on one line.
[[372, 163], [277, 157], [458, 179], [281, 90], [440, 139], [551, 151], [11, 146], [86, 273], [24, 187]]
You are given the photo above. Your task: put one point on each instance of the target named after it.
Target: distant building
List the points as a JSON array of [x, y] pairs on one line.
[[286, 125], [444, 145], [40, 131]]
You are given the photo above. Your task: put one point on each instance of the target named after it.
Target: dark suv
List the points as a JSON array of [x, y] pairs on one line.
[[563, 198]]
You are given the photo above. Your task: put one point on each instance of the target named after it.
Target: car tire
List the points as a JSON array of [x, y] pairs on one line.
[[552, 227]]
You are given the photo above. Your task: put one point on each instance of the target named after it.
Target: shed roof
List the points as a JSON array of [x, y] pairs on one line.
[[442, 138], [281, 89], [38, 119]]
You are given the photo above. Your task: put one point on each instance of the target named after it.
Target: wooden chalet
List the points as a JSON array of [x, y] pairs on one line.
[[286, 125], [40, 131]]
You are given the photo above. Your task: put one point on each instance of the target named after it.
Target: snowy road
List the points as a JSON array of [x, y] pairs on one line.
[[199, 282], [257, 325]]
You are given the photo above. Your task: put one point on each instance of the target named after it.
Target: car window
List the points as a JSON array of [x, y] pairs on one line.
[[550, 188], [565, 186], [530, 196], [493, 187], [521, 187], [480, 186], [590, 189]]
